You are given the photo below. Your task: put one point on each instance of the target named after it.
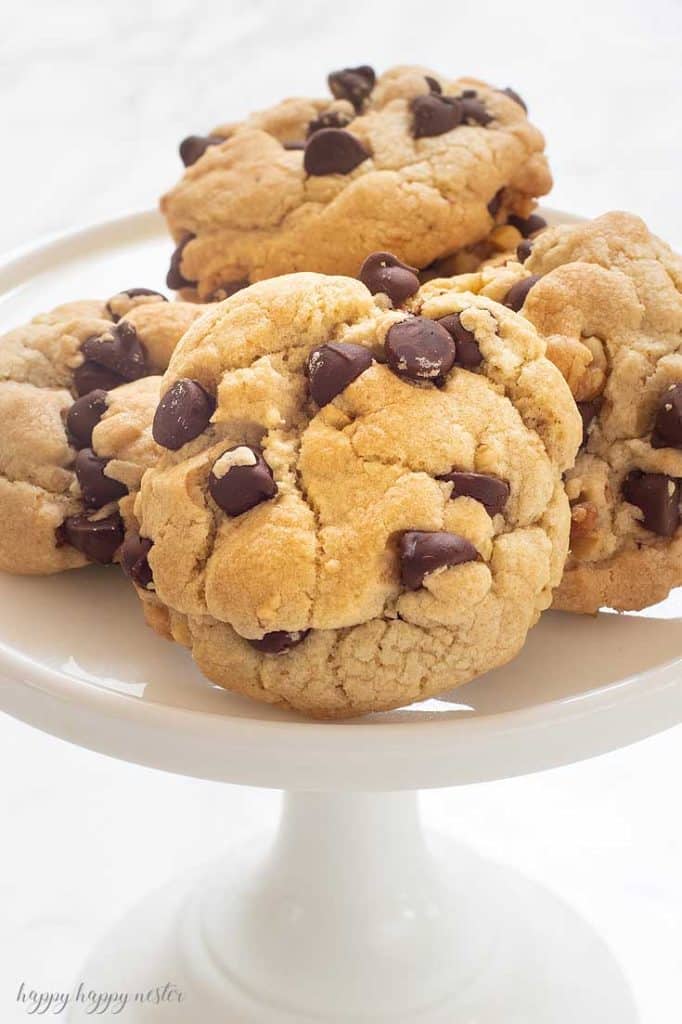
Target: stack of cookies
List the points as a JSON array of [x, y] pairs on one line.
[[390, 418]]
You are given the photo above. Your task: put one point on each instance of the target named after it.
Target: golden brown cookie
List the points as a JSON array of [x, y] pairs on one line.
[[607, 296], [411, 162], [358, 506]]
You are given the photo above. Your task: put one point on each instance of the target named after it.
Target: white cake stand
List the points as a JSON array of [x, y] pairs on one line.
[[350, 911]]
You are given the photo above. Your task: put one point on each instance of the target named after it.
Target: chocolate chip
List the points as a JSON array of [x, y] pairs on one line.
[[474, 112], [352, 84], [516, 296], [134, 559], [513, 95], [468, 354], [331, 368], [241, 479], [419, 349], [434, 115], [121, 303], [384, 272], [183, 413], [224, 291], [328, 119], [527, 225], [492, 492], [422, 553], [668, 427], [523, 250], [111, 359], [91, 377], [83, 417], [433, 84], [658, 496], [468, 94], [279, 642], [97, 489], [97, 539], [588, 411], [175, 279], [495, 203], [293, 145], [333, 151], [194, 146]]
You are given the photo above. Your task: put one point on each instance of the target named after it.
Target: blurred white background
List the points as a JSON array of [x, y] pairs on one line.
[[95, 98]]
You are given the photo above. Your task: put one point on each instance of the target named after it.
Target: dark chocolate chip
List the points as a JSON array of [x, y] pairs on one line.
[[668, 427], [513, 95], [118, 350], [352, 84], [333, 151], [658, 496], [523, 250], [241, 479], [492, 492], [175, 279], [224, 291], [419, 349], [434, 115], [331, 368], [279, 642], [516, 296], [495, 203], [91, 376], [384, 272], [423, 552], [83, 417], [130, 293], [527, 225], [468, 94], [468, 354], [293, 145], [194, 146], [97, 539], [328, 119], [474, 112], [183, 413], [97, 488], [135, 560], [433, 84], [588, 411]]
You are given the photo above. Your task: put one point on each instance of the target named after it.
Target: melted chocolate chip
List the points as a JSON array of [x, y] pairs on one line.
[[333, 151], [175, 279], [419, 349], [125, 301], [240, 480], [658, 496], [83, 417], [513, 95], [516, 296], [422, 553], [352, 84], [433, 84], [134, 559], [183, 413], [194, 147], [329, 119], [668, 427], [490, 491], [523, 250], [474, 112], [588, 411], [495, 203], [331, 368], [293, 145], [224, 291], [468, 354], [384, 272], [111, 359], [97, 489], [434, 115], [527, 225], [97, 539], [279, 642]]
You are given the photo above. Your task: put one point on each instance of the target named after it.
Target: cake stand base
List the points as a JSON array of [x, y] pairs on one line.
[[351, 913]]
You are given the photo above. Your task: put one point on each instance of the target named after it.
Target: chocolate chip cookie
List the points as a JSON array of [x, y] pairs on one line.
[[607, 296], [411, 162], [359, 503], [78, 388]]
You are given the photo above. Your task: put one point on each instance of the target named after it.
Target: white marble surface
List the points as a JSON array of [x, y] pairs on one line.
[[95, 99]]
